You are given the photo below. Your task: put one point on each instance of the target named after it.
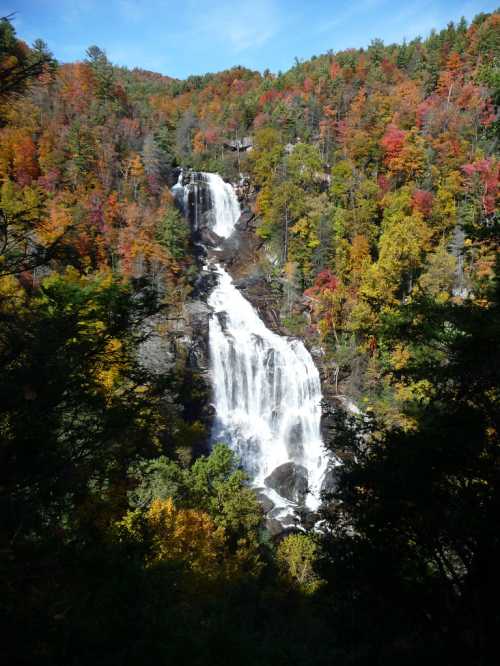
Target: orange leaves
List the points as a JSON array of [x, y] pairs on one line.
[[335, 70], [25, 161], [404, 154], [325, 281], [54, 227], [18, 158], [136, 167], [198, 142], [269, 97], [77, 85]]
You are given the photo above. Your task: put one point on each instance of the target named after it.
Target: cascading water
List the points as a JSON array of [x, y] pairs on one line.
[[206, 193], [267, 392]]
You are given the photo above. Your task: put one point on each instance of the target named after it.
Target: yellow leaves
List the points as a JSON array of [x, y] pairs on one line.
[[12, 295], [295, 556], [420, 391], [402, 246], [305, 230], [444, 210], [360, 257], [185, 535], [136, 166], [191, 538], [108, 376], [131, 526], [400, 357]]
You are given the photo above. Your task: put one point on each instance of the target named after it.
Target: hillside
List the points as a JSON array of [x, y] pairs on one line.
[[368, 183]]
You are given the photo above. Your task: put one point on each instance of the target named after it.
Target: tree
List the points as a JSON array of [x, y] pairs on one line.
[[18, 64], [103, 72], [296, 557], [173, 233], [69, 379], [410, 523]]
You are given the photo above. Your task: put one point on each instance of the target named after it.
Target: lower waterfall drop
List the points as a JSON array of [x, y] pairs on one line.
[[267, 393]]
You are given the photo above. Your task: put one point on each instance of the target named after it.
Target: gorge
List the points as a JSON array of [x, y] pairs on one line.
[[249, 323]]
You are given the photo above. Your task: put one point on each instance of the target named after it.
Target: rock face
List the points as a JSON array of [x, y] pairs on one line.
[[331, 480], [290, 481]]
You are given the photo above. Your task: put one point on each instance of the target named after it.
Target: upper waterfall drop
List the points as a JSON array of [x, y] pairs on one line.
[[267, 391], [225, 203], [207, 193]]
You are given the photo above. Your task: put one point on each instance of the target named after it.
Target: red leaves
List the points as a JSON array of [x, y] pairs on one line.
[[260, 120], [422, 201], [269, 97], [487, 172], [325, 281], [211, 135], [423, 110], [384, 184], [308, 85], [335, 70], [393, 141], [388, 67]]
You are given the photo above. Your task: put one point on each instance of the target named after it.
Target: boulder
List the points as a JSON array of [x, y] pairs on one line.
[[274, 527], [290, 481], [209, 237]]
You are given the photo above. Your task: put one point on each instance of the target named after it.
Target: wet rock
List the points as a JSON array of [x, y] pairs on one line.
[[331, 480], [306, 518], [248, 282], [295, 437], [289, 521], [290, 481], [274, 527], [209, 237], [266, 503], [198, 313], [245, 221]]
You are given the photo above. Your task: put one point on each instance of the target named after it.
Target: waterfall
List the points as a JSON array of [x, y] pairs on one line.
[[267, 391], [207, 194]]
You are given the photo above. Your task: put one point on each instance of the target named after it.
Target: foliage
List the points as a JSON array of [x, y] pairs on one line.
[[375, 177]]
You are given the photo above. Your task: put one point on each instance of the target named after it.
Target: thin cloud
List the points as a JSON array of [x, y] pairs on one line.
[[239, 27], [349, 11], [131, 10]]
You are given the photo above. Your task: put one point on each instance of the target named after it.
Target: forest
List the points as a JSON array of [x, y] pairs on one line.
[[372, 179]]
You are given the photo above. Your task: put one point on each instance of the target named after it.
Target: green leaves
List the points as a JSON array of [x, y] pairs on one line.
[[214, 482]]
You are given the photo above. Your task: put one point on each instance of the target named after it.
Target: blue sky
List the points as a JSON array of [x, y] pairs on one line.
[[193, 36]]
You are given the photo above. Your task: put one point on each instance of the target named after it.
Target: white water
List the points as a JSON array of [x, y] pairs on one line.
[[267, 391], [224, 205]]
